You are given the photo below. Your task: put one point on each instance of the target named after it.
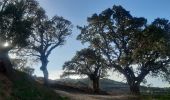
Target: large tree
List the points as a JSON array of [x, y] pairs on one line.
[[48, 34], [132, 46], [16, 20], [87, 62]]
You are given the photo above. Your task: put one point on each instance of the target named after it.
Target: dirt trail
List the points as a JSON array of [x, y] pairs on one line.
[[81, 96]]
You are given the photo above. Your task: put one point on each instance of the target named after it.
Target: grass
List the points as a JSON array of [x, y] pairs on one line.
[[25, 88], [155, 97]]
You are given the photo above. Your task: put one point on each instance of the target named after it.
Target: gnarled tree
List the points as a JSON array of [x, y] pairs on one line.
[[16, 20], [47, 35], [132, 47], [87, 62]]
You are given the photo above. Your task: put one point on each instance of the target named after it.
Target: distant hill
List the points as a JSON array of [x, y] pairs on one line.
[[24, 87], [105, 84], [111, 86]]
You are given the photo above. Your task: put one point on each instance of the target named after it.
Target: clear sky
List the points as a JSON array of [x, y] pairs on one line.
[[77, 12]]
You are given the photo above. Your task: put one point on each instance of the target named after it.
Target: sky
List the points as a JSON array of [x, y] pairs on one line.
[[77, 12]]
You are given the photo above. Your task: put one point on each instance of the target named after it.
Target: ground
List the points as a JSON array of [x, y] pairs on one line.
[[79, 91], [24, 87], [82, 96]]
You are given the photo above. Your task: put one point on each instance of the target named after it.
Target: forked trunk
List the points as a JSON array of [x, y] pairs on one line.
[[133, 81], [134, 86]]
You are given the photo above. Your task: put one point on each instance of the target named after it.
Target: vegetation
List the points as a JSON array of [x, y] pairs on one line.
[[16, 20], [47, 35], [24, 87], [19, 23], [116, 40], [131, 46], [87, 62], [25, 24], [21, 65], [155, 97]]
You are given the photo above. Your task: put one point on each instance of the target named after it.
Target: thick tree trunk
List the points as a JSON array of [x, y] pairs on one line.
[[134, 86], [5, 64], [135, 89], [133, 82], [45, 71], [96, 85]]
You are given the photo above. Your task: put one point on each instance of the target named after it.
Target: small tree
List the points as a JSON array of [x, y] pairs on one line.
[[87, 62], [16, 20], [130, 45]]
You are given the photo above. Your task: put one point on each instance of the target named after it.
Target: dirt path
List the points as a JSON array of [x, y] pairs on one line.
[[80, 96]]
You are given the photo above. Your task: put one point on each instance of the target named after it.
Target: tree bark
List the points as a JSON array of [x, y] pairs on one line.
[[135, 89], [133, 82], [5, 65], [134, 85], [96, 85], [45, 71]]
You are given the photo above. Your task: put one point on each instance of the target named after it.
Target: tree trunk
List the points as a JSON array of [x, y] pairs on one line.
[[133, 82], [45, 71], [135, 89], [5, 64], [96, 85]]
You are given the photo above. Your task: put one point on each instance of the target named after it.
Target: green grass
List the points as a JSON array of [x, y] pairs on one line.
[[25, 88], [155, 97]]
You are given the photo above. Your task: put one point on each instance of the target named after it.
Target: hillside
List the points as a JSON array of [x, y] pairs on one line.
[[23, 87], [77, 89], [110, 86]]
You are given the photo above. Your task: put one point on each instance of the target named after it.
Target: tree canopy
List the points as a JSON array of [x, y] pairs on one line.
[[16, 19], [16, 25], [132, 46], [87, 62], [47, 35]]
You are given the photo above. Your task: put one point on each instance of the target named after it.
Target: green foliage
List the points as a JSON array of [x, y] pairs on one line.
[[129, 44], [16, 20], [86, 62]]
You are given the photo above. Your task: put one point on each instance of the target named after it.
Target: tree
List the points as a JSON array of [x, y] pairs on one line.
[[132, 47], [16, 20], [48, 34], [87, 62]]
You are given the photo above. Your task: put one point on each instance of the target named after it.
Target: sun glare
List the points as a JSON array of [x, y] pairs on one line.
[[6, 44]]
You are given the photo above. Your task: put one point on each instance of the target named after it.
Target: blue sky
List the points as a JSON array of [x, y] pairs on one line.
[[77, 12]]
